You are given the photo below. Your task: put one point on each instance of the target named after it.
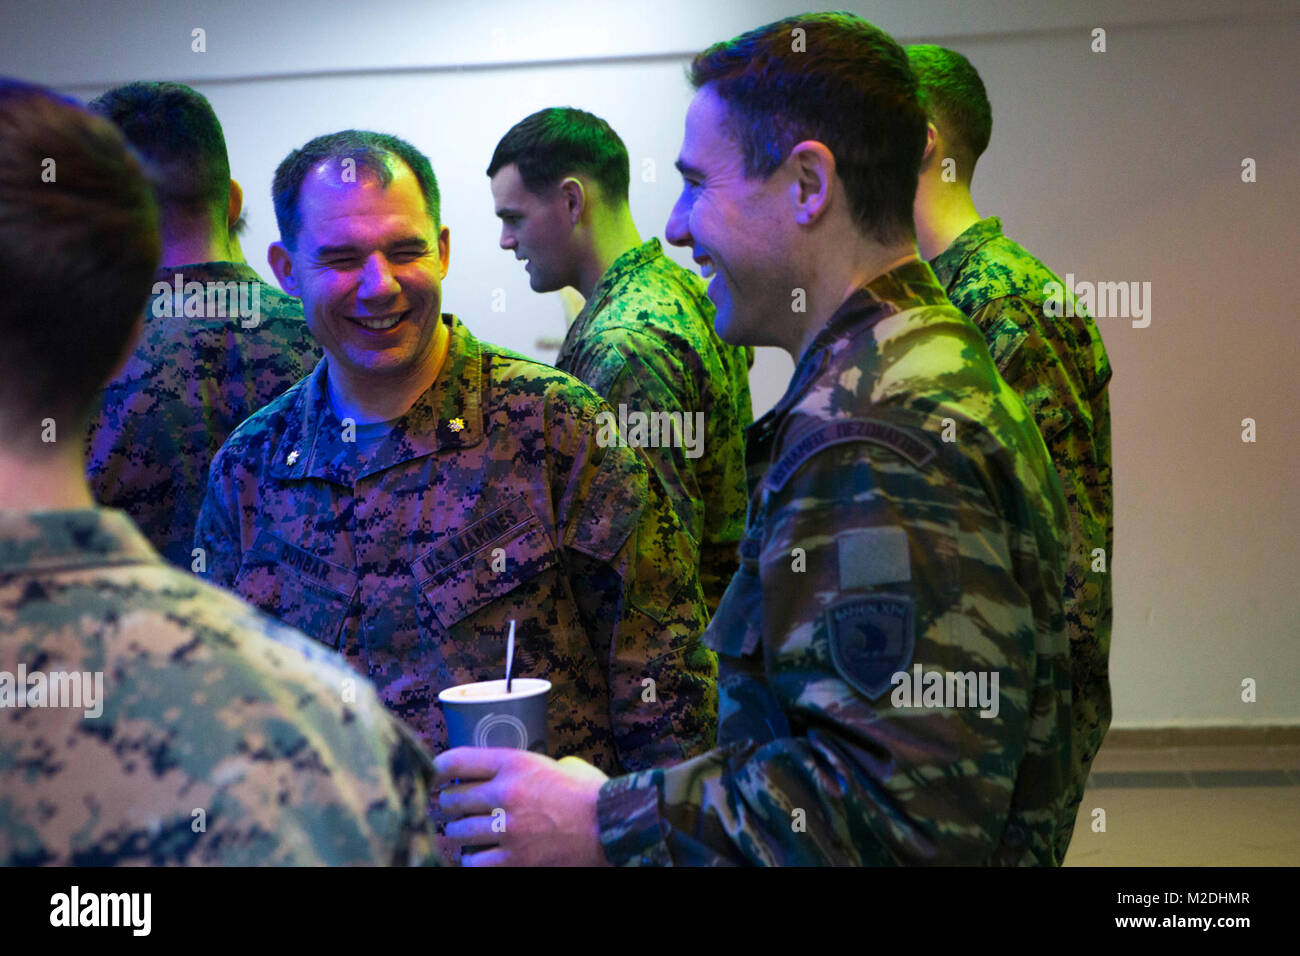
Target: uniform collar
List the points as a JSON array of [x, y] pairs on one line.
[[70, 539], [948, 264], [448, 414], [209, 271], [904, 287], [629, 262]]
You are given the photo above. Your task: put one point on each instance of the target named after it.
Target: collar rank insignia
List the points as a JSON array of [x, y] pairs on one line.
[[456, 424], [293, 457]]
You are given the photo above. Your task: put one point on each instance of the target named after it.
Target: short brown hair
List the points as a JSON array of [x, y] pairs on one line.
[[955, 100], [840, 81], [175, 132], [79, 239]]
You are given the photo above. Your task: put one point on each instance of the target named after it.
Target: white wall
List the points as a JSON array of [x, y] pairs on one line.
[[1123, 165]]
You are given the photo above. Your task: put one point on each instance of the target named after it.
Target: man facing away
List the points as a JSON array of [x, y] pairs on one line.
[[644, 339], [218, 343], [1057, 365], [145, 717], [893, 664], [422, 490]]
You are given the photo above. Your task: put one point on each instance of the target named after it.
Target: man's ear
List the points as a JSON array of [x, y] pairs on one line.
[[813, 168], [235, 205], [931, 141], [575, 199], [281, 262], [444, 249]]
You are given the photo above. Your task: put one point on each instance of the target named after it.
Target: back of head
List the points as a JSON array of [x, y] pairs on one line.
[[178, 136], [79, 242], [562, 141], [955, 102], [836, 79], [372, 153]]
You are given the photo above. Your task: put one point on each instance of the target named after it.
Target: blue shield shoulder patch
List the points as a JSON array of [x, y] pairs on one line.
[[871, 639]]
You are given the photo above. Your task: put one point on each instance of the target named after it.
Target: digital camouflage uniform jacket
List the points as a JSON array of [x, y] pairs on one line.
[[645, 341], [489, 500], [1059, 368], [190, 381], [220, 736], [875, 547]]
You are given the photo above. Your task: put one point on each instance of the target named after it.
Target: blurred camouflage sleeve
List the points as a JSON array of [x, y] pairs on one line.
[[818, 770], [650, 616], [1031, 363]]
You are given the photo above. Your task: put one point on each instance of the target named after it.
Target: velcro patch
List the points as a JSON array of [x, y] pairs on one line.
[[873, 556], [871, 639], [914, 449]]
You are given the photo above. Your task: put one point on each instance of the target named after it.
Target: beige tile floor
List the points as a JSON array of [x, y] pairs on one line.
[[1191, 806]]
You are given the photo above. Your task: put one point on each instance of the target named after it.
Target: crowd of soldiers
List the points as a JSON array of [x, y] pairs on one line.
[[278, 528]]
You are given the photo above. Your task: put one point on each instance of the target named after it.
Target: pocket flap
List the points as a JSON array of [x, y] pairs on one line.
[[301, 589], [457, 586]]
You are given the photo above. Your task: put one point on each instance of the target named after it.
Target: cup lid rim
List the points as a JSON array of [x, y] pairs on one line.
[[538, 686]]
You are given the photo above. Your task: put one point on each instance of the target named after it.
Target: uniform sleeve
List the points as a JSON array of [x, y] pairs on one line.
[[639, 372], [867, 569], [1034, 356], [662, 681], [216, 531]]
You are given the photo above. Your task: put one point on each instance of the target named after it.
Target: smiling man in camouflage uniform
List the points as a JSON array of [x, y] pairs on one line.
[[645, 339], [421, 489], [218, 343], [901, 530], [145, 717], [1058, 366]]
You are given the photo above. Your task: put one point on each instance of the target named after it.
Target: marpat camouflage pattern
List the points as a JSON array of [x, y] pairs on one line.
[[489, 500], [220, 736]]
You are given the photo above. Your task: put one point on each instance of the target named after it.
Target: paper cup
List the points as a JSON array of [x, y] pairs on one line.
[[484, 715]]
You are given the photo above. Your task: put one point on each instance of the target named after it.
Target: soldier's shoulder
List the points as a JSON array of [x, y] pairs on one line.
[[518, 379], [218, 630], [926, 359], [293, 750], [934, 381], [1001, 268], [280, 309], [662, 300]]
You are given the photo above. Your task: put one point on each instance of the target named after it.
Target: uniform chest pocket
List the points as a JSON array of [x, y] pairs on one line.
[[296, 586], [484, 563]]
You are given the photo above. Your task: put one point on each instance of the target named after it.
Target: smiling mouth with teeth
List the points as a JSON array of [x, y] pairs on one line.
[[380, 324], [706, 269]]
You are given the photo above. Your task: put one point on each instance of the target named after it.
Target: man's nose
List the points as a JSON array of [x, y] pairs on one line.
[[677, 232], [507, 239], [377, 279]]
